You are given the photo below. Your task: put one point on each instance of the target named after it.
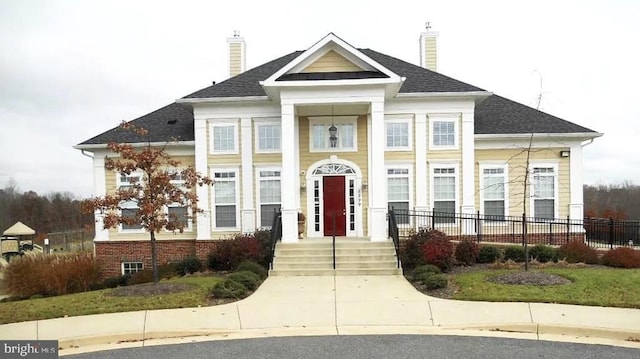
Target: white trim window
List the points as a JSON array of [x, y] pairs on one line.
[[128, 208], [180, 211], [399, 190], [544, 189], [347, 129], [225, 199], [443, 133], [268, 136], [493, 192], [131, 267], [224, 137], [444, 192], [269, 197], [398, 134]]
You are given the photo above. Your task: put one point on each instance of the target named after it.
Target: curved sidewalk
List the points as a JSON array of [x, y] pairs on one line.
[[289, 306]]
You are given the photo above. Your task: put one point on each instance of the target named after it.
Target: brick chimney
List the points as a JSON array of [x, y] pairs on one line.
[[237, 54], [429, 49]]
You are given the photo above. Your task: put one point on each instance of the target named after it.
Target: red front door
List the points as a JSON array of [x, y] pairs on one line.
[[334, 203]]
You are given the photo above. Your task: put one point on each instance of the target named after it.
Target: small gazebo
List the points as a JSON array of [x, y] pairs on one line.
[[13, 238]]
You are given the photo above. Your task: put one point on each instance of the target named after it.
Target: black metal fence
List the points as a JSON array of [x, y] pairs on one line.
[[596, 232]]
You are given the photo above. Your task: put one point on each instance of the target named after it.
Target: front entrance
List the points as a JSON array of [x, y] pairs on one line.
[[334, 206]]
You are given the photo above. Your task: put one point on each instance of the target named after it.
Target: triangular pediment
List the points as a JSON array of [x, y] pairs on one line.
[[332, 62], [332, 59]]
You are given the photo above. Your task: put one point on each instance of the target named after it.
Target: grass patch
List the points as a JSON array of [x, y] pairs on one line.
[[591, 286], [97, 302]]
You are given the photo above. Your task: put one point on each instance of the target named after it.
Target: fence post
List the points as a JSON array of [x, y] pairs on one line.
[[611, 233], [568, 229], [478, 227]]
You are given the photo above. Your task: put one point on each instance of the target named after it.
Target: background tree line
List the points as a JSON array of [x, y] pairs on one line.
[[617, 201], [53, 212]]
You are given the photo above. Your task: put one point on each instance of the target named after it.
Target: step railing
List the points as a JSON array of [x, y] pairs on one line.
[[394, 233], [276, 234]]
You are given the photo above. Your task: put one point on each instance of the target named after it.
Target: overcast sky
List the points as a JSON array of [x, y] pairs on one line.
[[70, 70]]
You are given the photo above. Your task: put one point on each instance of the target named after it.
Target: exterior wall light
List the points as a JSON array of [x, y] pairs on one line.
[[564, 153]]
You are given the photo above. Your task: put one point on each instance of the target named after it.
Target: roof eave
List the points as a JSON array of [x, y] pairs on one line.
[[190, 101], [102, 146], [571, 135], [478, 95]]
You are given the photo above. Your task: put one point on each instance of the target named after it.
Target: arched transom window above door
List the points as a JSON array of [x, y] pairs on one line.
[[333, 169]]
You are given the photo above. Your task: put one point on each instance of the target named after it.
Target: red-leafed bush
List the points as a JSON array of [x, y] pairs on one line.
[[623, 257], [467, 252], [229, 253], [411, 248], [439, 252], [48, 275], [577, 251]]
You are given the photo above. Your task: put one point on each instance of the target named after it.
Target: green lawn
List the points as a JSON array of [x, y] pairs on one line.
[[591, 286], [101, 302]]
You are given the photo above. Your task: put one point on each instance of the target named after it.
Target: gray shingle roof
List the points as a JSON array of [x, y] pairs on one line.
[[498, 115], [494, 115], [169, 123]]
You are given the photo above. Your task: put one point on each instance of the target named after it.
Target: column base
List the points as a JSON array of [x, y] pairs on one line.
[[378, 224]]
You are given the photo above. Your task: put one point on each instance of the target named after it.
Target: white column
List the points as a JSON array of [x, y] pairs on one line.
[[576, 205], [420, 136], [248, 211], [203, 219], [99, 190], [296, 145], [377, 175], [289, 176], [468, 171]]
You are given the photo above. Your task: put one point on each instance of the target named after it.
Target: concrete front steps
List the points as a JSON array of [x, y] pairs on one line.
[[314, 257]]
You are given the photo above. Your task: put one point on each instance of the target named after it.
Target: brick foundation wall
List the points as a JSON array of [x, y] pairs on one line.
[[113, 253]]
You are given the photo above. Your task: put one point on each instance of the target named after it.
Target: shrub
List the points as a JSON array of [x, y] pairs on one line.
[[467, 252], [439, 252], [623, 257], [434, 281], [111, 282], [543, 253], [47, 275], [489, 254], [143, 276], [420, 271], [577, 251], [249, 279], [188, 265], [514, 253], [263, 236], [411, 254], [229, 288], [229, 253], [253, 267]]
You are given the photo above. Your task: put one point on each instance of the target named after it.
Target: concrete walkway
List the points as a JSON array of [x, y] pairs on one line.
[[288, 306]]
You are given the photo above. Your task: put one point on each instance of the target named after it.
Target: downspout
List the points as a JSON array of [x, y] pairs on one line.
[[85, 154]]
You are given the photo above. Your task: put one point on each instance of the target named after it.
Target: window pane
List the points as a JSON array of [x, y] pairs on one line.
[[398, 189], [444, 188], [225, 192], [544, 186], [544, 208], [269, 137], [130, 213], [226, 216], [345, 134], [401, 206], [179, 215], [397, 135], [443, 133], [318, 136], [267, 213], [270, 191], [494, 210], [223, 138], [441, 210], [493, 188]]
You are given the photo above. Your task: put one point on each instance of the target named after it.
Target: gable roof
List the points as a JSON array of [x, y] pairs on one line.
[[173, 122], [498, 115]]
